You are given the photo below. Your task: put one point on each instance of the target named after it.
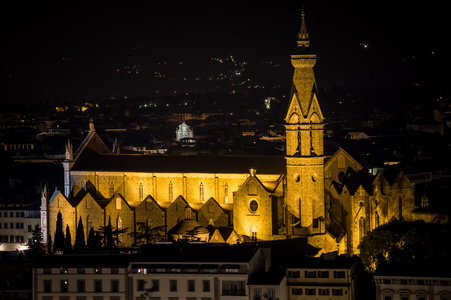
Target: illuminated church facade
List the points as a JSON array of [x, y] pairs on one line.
[[326, 199]]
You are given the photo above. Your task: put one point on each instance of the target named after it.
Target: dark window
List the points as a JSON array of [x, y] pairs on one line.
[[114, 270], [337, 292], [323, 274], [294, 274], [191, 286], [114, 285], [64, 270], [206, 285], [387, 298], [315, 223], [97, 285], [47, 286], [47, 270], [141, 285], [339, 274], [97, 270], [29, 228], [81, 285], [156, 285], [173, 285], [80, 270], [323, 292], [310, 274], [64, 285], [296, 291], [310, 291]]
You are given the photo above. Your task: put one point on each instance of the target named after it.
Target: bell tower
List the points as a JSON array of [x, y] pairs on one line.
[[304, 142]]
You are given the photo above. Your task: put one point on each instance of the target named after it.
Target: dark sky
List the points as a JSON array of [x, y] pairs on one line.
[[70, 50]]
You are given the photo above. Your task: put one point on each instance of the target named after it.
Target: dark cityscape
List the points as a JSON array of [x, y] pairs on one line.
[[230, 150]]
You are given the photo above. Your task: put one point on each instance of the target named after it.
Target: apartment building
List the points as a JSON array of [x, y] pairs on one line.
[[81, 277], [328, 277], [17, 220], [195, 272], [415, 286]]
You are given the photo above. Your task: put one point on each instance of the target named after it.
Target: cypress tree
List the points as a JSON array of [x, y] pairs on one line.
[[67, 241], [58, 243], [80, 236], [109, 243]]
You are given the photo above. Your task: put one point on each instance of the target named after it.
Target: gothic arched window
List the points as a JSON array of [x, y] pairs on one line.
[[89, 224], [361, 229], [119, 227], [376, 219], [141, 194], [171, 191], [201, 191], [226, 193]]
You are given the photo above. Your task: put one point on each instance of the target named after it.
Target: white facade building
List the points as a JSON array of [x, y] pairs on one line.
[[16, 224]]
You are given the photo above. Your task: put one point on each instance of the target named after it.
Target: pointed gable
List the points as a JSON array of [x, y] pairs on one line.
[[150, 212], [314, 114], [210, 212], [176, 212], [94, 143], [294, 114]]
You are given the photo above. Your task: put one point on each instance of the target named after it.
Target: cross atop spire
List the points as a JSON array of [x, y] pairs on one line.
[[303, 38]]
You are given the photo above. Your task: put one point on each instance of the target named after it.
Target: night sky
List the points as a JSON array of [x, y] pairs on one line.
[[72, 50]]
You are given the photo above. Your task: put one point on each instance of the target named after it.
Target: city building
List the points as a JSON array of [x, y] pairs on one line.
[[81, 277], [17, 221], [322, 278], [416, 285], [195, 272], [182, 271], [330, 200]]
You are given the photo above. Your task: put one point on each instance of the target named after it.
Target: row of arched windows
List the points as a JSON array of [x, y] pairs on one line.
[[171, 191]]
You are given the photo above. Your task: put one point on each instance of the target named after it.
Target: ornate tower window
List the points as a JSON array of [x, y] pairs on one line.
[[376, 219], [141, 194], [118, 203], [201, 191], [171, 191]]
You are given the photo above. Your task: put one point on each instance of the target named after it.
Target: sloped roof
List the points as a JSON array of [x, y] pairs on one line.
[[92, 161]]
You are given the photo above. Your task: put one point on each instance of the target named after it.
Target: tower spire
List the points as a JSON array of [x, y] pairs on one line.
[[303, 38]]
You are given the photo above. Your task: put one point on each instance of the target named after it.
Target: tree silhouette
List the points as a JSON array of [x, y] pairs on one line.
[[80, 236], [94, 240], [110, 235], [146, 234], [406, 243], [36, 238], [67, 241], [58, 244], [49, 243]]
